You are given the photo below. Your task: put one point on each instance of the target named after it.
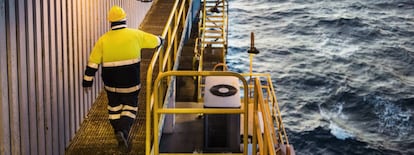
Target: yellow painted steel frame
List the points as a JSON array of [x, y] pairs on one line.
[[266, 104], [269, 107], [159, 109], [201, 29], [165, 55], [155, 91], [266, 142]]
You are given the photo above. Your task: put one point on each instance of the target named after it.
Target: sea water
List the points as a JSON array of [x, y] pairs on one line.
[[343, 70]]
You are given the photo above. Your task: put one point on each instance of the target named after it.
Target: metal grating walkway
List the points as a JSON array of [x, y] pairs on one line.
[[96, 135]]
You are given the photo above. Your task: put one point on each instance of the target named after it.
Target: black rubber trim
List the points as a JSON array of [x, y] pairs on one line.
[[215, 90]]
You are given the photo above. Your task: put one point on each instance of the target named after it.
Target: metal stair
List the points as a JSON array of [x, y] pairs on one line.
[[211, 46], [214, 23], [213, 26]]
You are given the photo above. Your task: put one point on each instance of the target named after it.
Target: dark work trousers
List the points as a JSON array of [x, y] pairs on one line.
[[122, 109]]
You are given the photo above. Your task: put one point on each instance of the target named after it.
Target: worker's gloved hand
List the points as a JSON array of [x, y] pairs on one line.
[[162, 41]]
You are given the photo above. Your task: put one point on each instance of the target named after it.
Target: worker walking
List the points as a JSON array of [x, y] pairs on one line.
[[119, 52]]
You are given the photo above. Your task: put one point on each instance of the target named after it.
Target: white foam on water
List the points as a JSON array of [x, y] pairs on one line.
[[334, 118], [392, 119], [338, 132]]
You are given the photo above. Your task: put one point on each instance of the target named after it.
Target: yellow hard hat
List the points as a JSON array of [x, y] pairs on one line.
[[116, 14]]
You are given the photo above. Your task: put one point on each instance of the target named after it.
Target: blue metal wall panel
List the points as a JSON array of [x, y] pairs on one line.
[[43, 52]]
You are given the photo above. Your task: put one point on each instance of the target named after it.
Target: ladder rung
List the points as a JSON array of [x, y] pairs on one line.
[[219, 16], [208, 38], [213, 31], [205, 38], [213, 37], [210, 13], [212, 6], [215, 16], [217, 42], [214, 26], [213, 42], [212, 1], [213, 34], [212, 20]]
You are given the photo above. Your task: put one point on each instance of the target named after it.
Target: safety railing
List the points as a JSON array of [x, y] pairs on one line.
[[266, 139], [265, 103], [159, 109], [222, 27], [196, 54], [203, 31], [156, 89], [166, 57]]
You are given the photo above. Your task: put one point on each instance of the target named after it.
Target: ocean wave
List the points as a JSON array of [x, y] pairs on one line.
[[399, 4], [369, 118], [330, 145], [339, 22], [393, 120], [342, 70]]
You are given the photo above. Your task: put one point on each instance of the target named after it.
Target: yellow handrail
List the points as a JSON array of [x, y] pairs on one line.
[[154, 94], [269, 108], [278, 115], [202, 31], [174, 22], [267, 146], [158, 109]]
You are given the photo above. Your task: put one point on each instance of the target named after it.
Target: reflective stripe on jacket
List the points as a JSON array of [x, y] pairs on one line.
[[119, 52]]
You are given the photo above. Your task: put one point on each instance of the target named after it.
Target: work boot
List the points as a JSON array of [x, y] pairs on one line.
[[122, 141]]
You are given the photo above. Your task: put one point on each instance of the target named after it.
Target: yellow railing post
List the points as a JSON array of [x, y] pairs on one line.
[[158, 110], [159, 56], [255, 121], [268, 106], [165, 57]]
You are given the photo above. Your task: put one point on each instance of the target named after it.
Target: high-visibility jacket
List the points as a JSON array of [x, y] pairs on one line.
[[119, 52]]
